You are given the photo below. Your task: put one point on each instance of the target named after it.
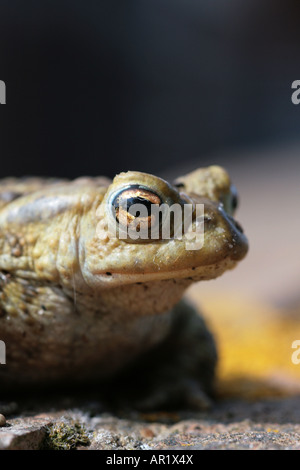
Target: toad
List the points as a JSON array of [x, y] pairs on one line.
[[81, 303]]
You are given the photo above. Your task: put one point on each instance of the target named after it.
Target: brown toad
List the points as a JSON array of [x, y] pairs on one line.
[[79, 303]]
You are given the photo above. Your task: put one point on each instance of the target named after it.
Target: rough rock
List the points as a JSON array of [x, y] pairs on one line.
[[232, 424]]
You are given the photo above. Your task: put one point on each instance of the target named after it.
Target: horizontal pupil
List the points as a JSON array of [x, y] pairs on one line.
[[127, 203]]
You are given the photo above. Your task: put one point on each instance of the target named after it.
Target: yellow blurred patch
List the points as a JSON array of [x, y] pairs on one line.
[[255, 345]]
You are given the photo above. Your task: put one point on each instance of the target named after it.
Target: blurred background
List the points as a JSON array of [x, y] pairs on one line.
[[104, 86], [164, 87]]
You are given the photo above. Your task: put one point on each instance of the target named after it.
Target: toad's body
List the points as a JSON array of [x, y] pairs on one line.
[[77, 302]]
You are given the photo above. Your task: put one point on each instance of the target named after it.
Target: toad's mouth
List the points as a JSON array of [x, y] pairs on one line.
[[194, 274]]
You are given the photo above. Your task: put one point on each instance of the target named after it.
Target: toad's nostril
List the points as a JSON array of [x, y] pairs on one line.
[[179, 185], [208, 221]]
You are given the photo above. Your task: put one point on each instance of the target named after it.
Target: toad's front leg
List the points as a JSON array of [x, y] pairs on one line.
[[179, 372]]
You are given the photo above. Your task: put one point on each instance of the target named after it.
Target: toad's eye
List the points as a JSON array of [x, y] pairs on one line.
[[134, 204]]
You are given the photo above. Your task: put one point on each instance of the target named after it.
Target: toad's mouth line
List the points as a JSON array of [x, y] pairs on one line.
[[205, 272]]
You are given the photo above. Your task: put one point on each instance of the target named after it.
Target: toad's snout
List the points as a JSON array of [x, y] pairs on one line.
[[223, 235], [240, 241]]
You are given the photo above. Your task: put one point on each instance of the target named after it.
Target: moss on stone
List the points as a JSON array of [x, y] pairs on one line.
[[66, 435]]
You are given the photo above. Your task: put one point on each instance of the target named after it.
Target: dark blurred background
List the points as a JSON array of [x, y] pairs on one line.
[[99, 87]]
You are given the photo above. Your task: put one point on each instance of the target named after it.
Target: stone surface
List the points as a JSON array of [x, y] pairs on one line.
[[232, 424], [24, 433]]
